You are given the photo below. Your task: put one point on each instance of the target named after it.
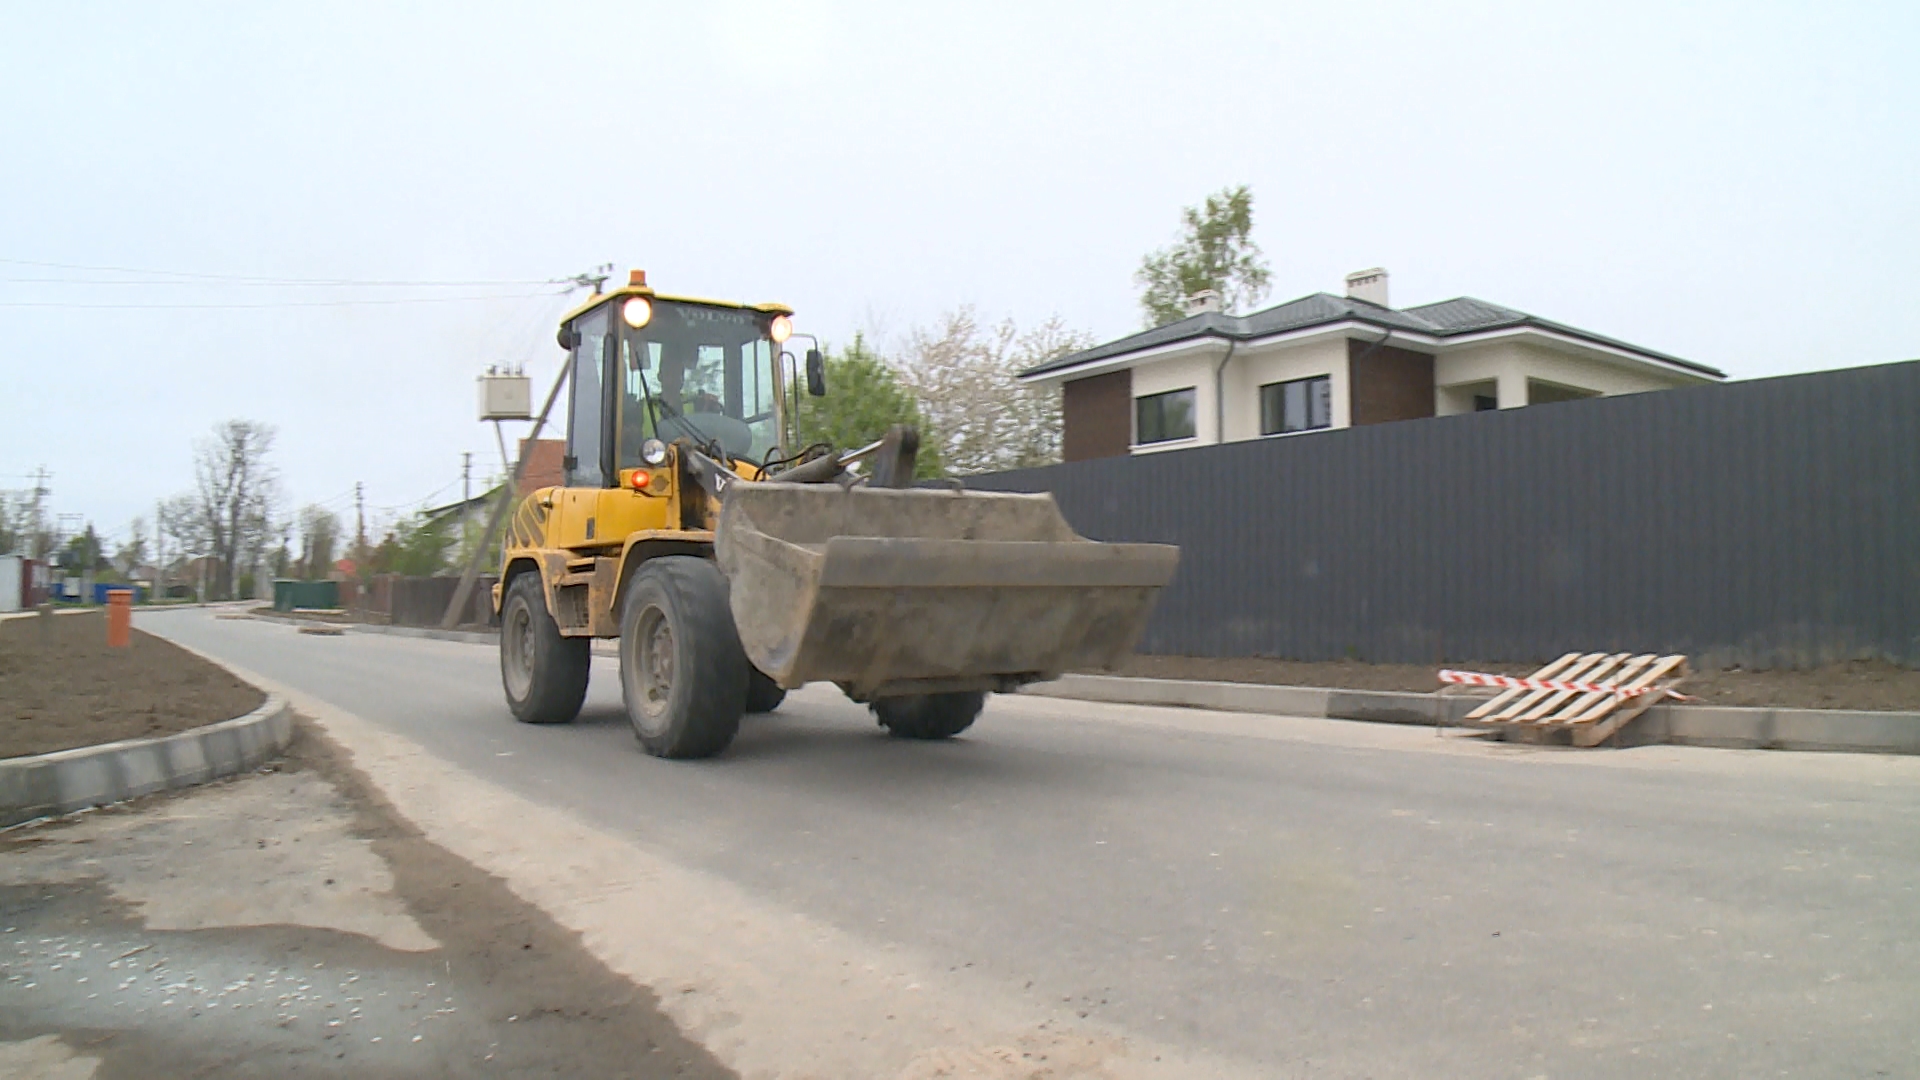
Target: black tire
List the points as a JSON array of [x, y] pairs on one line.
[[544, 674], [683, 674], [763, 694], [929, 716]]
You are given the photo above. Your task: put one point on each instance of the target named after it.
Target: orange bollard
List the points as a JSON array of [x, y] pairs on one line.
[[119, 618]]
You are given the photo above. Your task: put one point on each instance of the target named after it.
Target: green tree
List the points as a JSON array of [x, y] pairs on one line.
[[416, 546], [864, 397], [1215, 251], [84, 553]]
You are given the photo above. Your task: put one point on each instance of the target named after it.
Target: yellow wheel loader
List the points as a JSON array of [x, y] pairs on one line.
[[733, 566]]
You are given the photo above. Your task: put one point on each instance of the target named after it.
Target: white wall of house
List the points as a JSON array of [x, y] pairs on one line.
[[1501, 368], [1178, 373], [1506, 365], [1250, 369]]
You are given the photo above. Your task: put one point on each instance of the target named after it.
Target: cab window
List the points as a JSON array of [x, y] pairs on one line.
[[709, 374]]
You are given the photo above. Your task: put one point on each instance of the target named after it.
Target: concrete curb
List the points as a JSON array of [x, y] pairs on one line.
[[1687, 725], [469, 637], [67, 780], [465, 637]]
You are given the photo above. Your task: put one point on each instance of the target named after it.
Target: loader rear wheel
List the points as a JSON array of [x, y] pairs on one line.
[[683, 674], [545, 675], [763, 694], [929, 716]]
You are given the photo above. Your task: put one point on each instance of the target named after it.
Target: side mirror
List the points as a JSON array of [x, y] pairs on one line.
[[816, 373]]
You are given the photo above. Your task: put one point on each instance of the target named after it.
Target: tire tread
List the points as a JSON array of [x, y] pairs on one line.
[[717, 666], [929, 716], [561, 665]]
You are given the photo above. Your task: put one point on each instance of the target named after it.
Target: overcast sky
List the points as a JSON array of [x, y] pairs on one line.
[[1732, 183]]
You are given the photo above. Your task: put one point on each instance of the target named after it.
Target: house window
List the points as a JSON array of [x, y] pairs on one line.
[[1299, 405], [1163, 417], [1485, 403]]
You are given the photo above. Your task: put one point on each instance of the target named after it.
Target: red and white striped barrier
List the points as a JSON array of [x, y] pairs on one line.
[[1475, 678]]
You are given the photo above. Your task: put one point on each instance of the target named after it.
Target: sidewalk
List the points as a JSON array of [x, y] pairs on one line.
[[1688, 725]]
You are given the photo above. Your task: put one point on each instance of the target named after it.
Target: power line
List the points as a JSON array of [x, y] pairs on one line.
[[421, 502], [267, 284], [271, 304], [340, 498], [269, 280]]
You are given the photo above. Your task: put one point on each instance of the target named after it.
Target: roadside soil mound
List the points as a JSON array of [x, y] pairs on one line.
[[1864, 684], [61, 687]]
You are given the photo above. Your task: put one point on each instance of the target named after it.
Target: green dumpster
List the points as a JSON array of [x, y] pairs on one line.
[[289, 594]]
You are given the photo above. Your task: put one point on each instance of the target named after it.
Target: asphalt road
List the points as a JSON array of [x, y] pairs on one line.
[[1307, 897]]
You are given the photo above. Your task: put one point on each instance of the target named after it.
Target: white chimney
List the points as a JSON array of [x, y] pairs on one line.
[[1368, 285], [1202, 302]]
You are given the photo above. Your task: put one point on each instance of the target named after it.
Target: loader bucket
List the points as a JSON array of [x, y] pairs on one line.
[[899, 591]]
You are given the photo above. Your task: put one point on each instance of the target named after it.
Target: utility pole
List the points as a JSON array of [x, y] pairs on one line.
[[466, 496], [159, 556], [594, 279], [360, 525], [37, 512]]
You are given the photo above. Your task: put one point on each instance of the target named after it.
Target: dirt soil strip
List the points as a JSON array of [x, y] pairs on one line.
[[62, 687], [1864, 684], [768, 991], [292, 924]]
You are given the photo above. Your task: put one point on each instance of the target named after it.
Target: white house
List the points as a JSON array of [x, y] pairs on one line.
[[1323, 362]]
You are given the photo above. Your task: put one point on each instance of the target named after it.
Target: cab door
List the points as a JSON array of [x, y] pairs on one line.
[[575, 521]]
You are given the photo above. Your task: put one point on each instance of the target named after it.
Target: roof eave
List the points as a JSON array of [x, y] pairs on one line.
[[1593, 342]]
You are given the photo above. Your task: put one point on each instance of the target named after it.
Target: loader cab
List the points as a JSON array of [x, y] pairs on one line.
[[649, 367]]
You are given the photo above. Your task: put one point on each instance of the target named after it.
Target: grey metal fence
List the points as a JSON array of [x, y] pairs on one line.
[[1766, 523]]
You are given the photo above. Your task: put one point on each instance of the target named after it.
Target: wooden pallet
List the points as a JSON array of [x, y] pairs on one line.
[[1590, 717]]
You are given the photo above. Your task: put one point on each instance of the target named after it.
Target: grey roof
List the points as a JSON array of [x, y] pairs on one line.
[[1448, 318]]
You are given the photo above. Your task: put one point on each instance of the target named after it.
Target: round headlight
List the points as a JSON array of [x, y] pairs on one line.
[[653, 452], [780, 329], [637, 311]]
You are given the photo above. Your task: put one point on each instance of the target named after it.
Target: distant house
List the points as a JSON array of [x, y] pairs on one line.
[[545, 468], [1324, 362]]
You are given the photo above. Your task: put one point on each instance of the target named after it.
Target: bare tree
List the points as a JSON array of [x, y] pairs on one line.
[[319, 534], [13, 532], [964, 376], [229, 515], [133, 553]]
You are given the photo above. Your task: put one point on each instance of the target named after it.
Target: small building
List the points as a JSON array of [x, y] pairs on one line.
[[546, 467], [1324, 362], [24, 583]]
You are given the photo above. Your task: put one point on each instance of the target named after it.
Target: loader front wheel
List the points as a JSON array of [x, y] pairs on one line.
[[545, 674], [929, 716], [763, 694], [683, 674]]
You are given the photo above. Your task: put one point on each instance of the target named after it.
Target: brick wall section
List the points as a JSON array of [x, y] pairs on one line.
[[544, 463], [1097, 416], [1388, 383]]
